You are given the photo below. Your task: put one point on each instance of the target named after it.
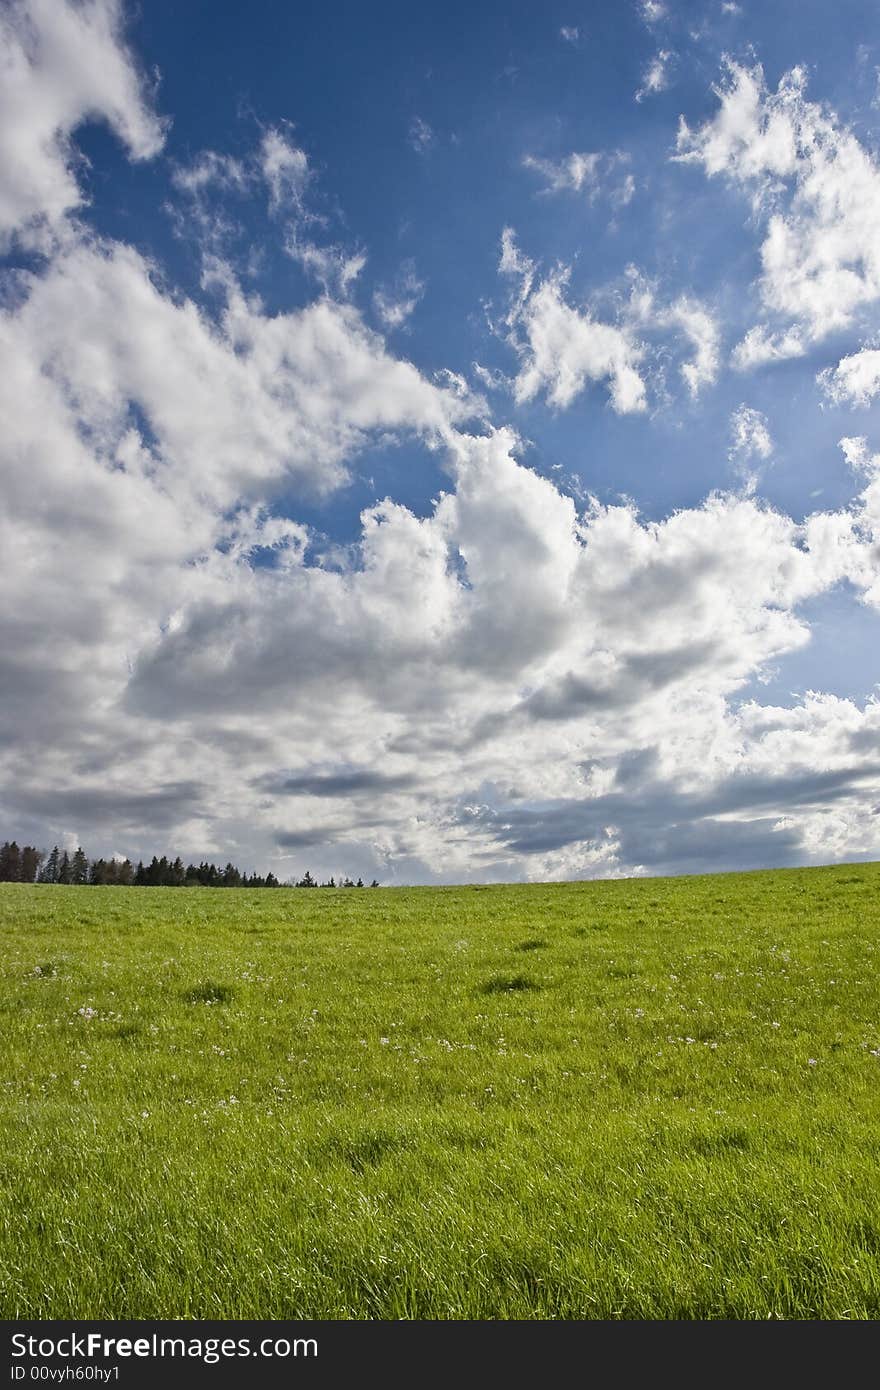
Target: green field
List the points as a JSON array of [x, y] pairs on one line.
[[640, 1099]]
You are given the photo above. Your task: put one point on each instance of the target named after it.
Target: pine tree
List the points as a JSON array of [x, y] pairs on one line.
[[79, 869], [31, 859], [10, 862], [51, 868], [65, 872]]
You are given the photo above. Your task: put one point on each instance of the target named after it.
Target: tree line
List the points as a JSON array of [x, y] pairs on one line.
[[26, 864]]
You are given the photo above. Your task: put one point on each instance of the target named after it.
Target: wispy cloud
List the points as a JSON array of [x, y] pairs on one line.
[[655, 78], [421, 136]]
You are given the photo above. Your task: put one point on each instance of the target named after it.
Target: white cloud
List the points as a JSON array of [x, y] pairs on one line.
[[573, 173], [818, 191], [702, 329], [592, 173], [624, 193], [855, 378], [281, 168], [502, 640], [687, 314], [211, 170], [760, 346], [421, 136], [855, 451], [570, 33], [749, 441], [63, 64], [655, 78], [504, 686], [231, 405], [285, 167], [394, 304], [562, 349], [652, 11]]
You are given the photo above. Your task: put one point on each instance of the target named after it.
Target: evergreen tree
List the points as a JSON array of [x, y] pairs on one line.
[[79, 869], [10, 862], [31, 859], [50, 870], [65, 871]]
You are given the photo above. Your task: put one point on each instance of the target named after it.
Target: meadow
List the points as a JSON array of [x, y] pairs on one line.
[[643, 1099]]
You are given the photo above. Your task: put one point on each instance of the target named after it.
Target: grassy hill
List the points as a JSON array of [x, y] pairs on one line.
[[640, 1099]]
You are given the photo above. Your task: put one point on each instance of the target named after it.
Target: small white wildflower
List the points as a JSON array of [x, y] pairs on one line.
[[812, 1062]]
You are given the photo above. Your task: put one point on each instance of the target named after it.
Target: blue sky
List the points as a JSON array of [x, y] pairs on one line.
[[427, 421]]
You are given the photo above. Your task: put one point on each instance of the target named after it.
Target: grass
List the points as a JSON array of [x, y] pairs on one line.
[[643, 1099]]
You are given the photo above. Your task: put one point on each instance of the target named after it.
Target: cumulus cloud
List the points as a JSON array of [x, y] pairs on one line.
[[63, 64], [816, 188], [500, 684], [563, 349], [570, 33], [503, 642], [855, 379], [230, 405]]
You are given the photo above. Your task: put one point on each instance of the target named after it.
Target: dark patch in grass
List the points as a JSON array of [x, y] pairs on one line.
[[47, 969], [866, 1236], [505, 984], [623, 972], [362, 1151], [588, 931], [722, 1141], [465, 1139], [524, 1273], [533, 944], [209, 993], [839, 882], [126, 1032]]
